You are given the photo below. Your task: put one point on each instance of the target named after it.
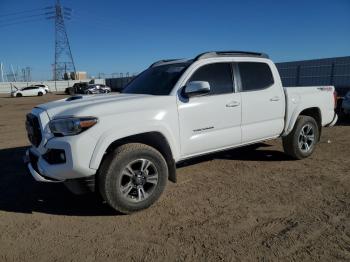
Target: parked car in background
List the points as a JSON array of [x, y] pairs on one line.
[[86, 88], [126, 146], [97, 89], [29, 91], [77, 88], [46, 87], [346, 104]]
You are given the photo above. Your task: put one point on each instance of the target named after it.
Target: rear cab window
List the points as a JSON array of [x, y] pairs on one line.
[[255, 76]]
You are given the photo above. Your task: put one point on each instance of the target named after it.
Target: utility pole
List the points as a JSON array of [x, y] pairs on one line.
[[63, 54], [13, 74], [28, 74], [2, 72]]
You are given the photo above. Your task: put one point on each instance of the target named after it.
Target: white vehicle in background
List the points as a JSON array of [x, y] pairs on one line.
[[46, 87], [126, 146], [346, 104], [29, 91]]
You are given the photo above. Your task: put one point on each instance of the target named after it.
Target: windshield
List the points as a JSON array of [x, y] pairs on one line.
[[158, 80]]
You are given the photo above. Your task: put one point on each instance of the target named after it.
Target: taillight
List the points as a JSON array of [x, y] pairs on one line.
[[335, 94]]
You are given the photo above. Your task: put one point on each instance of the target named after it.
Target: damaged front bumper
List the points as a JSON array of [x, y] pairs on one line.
[[31, 161]]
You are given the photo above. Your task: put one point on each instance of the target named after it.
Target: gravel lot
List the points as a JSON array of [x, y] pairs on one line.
[[246, 204]]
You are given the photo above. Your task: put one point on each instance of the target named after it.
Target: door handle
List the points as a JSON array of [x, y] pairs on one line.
[[233, 104], [275, 98]]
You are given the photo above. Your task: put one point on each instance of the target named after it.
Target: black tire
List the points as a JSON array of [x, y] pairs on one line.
[[294, 143], [19, 95], [40, 94], [112, 173]]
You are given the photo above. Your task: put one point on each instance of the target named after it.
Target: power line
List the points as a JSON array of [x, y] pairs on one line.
[[18, 19], [25, 11], [25, 15], [21, 22]]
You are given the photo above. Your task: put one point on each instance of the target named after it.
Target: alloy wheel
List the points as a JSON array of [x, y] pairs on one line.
[[306, 138], [138, 180]]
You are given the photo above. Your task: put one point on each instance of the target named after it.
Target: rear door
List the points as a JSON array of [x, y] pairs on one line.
[[210, 122], [263, 103]]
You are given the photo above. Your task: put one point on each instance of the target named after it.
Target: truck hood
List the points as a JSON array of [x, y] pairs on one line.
[[97, 105]]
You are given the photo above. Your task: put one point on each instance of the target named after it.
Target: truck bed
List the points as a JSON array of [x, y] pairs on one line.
[[318, 97]]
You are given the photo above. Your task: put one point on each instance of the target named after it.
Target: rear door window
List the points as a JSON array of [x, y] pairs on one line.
[[255, 76]]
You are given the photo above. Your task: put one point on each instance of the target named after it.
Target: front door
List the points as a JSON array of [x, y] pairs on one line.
[[213, 121]]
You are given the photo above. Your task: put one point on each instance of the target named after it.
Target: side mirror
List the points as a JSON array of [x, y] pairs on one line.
[[196, 88]]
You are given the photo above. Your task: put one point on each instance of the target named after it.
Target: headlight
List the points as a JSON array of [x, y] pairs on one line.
[[71, 126]]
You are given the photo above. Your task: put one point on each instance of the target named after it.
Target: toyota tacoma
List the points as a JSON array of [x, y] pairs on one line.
[[126, 146]]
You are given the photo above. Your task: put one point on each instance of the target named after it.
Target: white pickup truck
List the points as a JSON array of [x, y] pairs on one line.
[[126, 146]]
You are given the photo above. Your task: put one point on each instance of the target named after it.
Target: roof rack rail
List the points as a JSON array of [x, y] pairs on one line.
[[230, 53], [164, 61]]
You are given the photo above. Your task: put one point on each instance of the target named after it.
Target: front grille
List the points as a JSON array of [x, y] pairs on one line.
[[33, 129]]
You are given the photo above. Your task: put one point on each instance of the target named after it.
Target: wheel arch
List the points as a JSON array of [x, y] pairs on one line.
[[314, 112], [154, 139]]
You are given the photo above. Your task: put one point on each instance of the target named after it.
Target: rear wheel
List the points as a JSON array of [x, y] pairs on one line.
[[132, 177], [301, 142]]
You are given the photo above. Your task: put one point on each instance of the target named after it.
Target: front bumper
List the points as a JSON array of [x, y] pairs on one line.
[[77, 186], [33, 168], [77, 159], [43, 163]]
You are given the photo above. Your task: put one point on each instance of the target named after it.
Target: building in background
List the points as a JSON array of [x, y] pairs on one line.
[[75, 76], [78, 75]]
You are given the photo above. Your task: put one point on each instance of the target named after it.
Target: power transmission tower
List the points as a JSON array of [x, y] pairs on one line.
[[64, 63]]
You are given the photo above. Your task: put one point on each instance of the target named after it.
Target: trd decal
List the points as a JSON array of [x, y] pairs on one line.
[[203, 129]]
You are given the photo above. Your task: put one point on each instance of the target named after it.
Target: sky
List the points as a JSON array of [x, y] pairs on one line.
[[127, 36]]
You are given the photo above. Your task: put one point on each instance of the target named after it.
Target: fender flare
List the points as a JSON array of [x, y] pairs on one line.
[[295, 116], [107, 140]]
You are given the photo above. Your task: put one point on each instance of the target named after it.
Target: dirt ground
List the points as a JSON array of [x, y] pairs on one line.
[[240, 205]]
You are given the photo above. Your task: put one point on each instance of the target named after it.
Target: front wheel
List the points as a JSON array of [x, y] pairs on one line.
[[132, 177], [301, 141], [40, 94]]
